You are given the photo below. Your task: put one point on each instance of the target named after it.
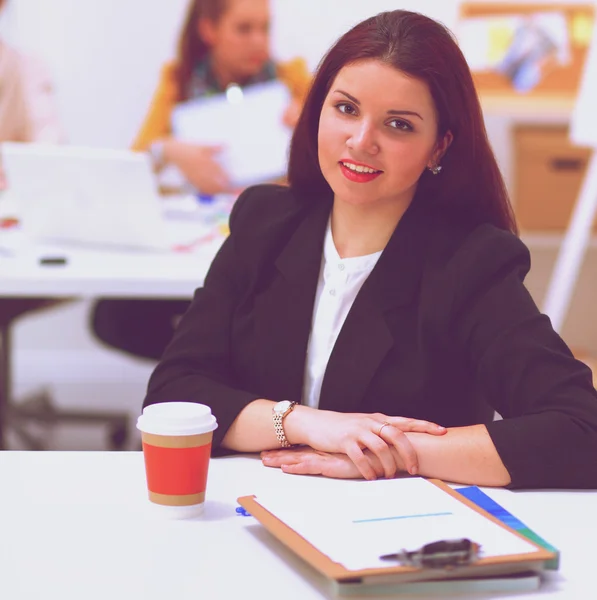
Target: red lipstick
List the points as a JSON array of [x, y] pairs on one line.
[[356, 176]]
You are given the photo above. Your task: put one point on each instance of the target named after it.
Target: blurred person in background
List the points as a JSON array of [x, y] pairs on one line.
[[28, 110], [223, 42], [28, 113]]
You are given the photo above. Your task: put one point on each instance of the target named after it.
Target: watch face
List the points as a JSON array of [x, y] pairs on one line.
[[282, 406]]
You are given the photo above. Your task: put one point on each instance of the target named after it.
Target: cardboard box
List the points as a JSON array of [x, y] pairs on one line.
[[548, 174]]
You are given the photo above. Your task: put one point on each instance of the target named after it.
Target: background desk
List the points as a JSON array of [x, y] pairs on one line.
[[78, 525], [89, 273]]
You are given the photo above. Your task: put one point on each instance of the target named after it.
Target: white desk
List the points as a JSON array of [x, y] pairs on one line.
[[78, 525], [106, 272], [89, 273]]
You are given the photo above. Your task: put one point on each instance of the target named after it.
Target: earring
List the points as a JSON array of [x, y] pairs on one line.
[[436, 169]]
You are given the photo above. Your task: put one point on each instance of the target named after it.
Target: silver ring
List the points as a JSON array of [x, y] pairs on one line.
[[385, 423]]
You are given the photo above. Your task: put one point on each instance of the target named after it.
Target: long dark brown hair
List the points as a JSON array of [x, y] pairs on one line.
[[191, 48], [470, 185]]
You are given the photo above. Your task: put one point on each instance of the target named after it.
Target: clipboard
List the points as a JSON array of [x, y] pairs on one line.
[[248, 124], [484, 567]]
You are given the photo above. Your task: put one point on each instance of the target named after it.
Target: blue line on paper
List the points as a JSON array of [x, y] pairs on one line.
[[439, 514]]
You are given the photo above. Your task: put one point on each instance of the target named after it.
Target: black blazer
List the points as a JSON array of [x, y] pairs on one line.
[[443, 329]]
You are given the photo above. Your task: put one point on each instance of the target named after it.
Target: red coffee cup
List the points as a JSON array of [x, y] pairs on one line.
[[177, 440]]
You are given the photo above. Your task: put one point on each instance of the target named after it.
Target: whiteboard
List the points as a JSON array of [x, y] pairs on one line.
[[583, 127], [583, 131]]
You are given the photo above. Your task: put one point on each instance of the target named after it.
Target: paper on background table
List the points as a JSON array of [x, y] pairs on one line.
[[252, 131], [383, 517], [485, 40]]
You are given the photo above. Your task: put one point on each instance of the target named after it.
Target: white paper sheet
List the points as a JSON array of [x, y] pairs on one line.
[[249, 125], [355, 526]]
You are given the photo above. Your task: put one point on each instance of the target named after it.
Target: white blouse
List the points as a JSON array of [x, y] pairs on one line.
[[340, 280]]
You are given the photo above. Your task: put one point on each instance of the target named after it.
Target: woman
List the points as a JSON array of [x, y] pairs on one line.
[[223, 42], [383, 291]]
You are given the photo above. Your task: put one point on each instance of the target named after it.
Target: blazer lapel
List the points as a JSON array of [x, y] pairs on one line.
[[365, 338], [283, 312]]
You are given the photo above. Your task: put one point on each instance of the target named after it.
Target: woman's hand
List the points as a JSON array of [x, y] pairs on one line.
[[292, 113], [306, 461], [199, 165], [352, 433]]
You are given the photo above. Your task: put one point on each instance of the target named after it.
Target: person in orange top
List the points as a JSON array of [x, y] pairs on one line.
[[223, 42]]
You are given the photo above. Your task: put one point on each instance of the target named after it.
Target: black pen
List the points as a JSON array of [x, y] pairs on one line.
[[52, 260], [440, 554]]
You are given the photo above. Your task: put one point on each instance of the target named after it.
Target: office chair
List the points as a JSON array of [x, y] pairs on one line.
[[38, 408]]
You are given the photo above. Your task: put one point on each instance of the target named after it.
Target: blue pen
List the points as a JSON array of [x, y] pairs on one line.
[[242, 512]]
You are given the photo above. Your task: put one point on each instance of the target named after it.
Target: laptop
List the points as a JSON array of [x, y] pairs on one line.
[[86, 196]]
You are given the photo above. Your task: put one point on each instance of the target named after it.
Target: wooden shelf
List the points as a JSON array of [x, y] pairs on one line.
[[532, 109], [548, 240]]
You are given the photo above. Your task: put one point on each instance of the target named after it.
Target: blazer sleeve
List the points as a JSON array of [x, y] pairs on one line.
[[548, 435], [196, 364], [156, 124], [295, 75]]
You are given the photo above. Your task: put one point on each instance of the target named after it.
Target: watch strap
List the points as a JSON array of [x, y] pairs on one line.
[[279, 426]]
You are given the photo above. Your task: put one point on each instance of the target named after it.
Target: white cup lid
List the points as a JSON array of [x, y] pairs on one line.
[[176, 418]]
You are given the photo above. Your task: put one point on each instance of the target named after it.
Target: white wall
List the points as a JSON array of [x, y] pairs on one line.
[[309, 27], [105, 55]]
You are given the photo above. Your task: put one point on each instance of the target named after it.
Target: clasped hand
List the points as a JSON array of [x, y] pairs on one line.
[[349, 445]]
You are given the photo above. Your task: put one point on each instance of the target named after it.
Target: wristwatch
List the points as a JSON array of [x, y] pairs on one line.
[[279, 411]]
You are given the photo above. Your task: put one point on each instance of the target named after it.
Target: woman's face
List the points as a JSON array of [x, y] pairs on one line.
[[377, 134], [239, 40]]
